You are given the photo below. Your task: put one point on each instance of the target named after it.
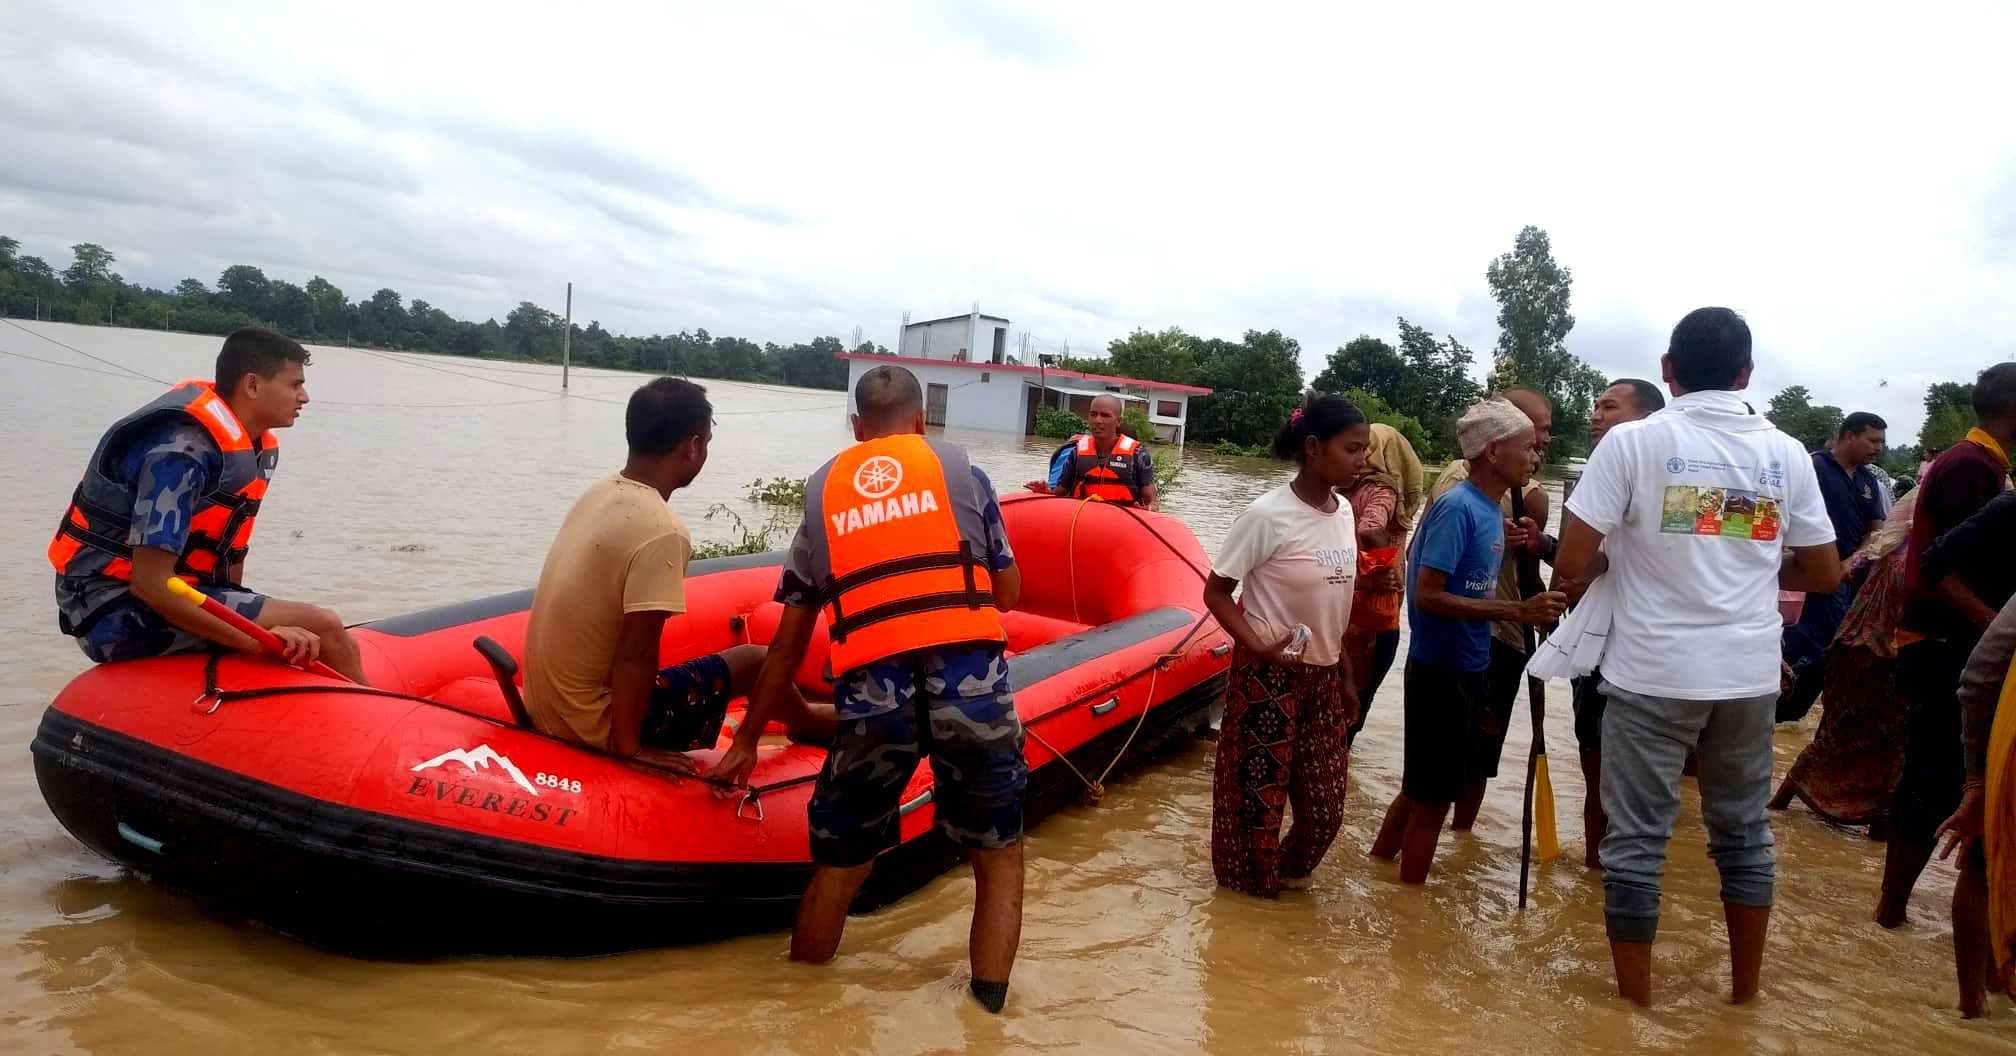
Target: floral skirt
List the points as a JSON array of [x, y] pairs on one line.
[[1280, 744]]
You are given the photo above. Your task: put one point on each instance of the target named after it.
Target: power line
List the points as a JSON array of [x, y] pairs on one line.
[[128, 376], [86, 355]]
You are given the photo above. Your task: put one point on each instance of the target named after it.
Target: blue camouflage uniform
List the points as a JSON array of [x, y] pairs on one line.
[[953, 703], [168, 468]]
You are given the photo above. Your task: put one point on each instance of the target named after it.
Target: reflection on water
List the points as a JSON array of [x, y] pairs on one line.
[[1127, 946]]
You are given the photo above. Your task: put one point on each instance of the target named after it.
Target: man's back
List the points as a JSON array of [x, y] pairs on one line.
[[1697, 509], [1958, 484], [620, 550]]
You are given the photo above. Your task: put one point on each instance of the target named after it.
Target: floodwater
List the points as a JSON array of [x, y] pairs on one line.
[[412, 481]]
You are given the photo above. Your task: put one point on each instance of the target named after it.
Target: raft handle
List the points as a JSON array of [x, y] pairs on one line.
[[750, 799], [905, 810], [1221, 649], [139, 839], [1109, 705]]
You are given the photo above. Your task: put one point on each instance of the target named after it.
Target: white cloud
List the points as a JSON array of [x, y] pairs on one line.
[[1842, 175]]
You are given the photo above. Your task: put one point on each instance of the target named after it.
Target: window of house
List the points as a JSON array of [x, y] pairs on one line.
[[1169, 408]]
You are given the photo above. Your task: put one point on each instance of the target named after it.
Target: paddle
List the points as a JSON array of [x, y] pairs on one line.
[[269, 643], [1538, 785]]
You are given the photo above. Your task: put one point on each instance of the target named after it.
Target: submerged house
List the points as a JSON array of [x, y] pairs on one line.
[[973, 380]]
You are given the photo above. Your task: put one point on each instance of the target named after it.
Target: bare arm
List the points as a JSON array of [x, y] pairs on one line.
[[1007, 587], [632, 675], [152, 569], [1814, 569], [1956, 592], [774, 689], [1580, 558], [1148, 497], [1218, 599], [1431, 595]]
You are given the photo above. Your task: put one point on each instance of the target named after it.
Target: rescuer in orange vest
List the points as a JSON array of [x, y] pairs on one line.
[[172, 490], [903, 547], [1104, 463]]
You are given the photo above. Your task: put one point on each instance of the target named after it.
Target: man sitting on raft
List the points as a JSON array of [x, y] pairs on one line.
[[615, 572], [171, 492], [1104, 464]]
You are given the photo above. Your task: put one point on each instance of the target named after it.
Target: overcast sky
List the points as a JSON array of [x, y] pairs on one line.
[[1843, 175]]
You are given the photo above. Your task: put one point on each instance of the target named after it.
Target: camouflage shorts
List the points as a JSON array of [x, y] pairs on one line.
[[963, 718], [128, 630]]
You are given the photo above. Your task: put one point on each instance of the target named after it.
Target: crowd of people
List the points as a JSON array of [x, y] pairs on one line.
[[1691, 517]]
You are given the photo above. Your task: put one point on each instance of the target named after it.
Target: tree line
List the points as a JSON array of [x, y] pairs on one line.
[[89, 291], [1949, 413]]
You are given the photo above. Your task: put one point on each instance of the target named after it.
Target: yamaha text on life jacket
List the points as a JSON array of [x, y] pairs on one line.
[[1108, 477], [92, 536], [904, 578]]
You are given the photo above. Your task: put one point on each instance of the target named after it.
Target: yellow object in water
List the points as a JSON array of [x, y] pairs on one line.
[[1999, 830], [1546, 841]]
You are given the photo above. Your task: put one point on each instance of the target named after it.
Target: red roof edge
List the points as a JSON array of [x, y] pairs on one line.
[[1164, 386]]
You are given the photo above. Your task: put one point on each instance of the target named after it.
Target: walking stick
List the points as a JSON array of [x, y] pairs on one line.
[[1538, 785]]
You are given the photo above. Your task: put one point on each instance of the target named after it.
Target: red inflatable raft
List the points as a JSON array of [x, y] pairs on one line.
[[418, 817]]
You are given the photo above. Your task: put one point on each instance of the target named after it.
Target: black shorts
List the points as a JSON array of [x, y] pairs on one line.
[[1443, 709], [1505, 675], [1935, 764], [1589, 712]]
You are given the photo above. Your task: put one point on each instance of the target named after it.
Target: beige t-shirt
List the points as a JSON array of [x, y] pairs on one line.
[[620, 550], [1511, 632], [1295, 564]]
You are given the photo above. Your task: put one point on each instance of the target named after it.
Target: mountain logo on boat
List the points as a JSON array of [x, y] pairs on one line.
[[878, 476], [479, 758]]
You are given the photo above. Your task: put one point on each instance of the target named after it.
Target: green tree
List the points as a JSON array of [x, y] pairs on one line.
[[1949, 413], [1367, 364], [90, 269], [1439, 387], [192, 292], [1254, 383], [1134, 422], [1793, 412], [1532, 292], [8, 247], [1380, 411], [1168, 355], [243, 288], [328, 310]]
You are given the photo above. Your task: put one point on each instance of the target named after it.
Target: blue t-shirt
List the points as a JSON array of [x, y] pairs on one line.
[[1462, 537], [1852, 500]]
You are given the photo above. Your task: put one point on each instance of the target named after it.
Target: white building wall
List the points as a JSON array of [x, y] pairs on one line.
[[939, 340], [998, 404]]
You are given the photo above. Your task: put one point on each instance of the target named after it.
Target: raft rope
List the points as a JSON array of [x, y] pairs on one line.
[[1095, 788]]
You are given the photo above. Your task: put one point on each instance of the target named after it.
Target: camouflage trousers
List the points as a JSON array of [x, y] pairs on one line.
[[953, 705]]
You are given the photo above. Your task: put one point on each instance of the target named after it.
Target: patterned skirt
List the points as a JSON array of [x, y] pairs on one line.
[[1281, 744]]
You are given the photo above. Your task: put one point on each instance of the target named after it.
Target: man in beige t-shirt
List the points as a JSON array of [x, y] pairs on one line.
[[1508, 645], [615, 572]]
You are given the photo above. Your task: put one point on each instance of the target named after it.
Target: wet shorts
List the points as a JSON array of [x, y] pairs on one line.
[[1505, 677], [128, 629], [954, 705], [1444, 707], [688, 704]]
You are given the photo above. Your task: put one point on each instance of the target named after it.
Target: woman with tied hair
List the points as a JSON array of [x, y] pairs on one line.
[[1291, 695], [1384, 502]]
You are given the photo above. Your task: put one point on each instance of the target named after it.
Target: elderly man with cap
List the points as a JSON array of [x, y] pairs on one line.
[[1455, 557], [1524, 509]]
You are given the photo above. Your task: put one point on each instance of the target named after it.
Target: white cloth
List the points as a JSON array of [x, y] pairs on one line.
[[1576, 647], [1295, 564], [1700, 501]]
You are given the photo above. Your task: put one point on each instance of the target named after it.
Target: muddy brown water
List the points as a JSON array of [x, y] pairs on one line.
[[412, 481]]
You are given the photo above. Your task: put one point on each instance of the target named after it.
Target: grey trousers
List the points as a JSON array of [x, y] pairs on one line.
[[1645, 744]]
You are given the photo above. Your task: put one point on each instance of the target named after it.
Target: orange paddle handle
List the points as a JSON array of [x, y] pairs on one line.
[[269, 643]]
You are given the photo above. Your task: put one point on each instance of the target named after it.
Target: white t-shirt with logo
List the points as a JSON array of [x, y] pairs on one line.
[[1697, 504], [1295, 564]]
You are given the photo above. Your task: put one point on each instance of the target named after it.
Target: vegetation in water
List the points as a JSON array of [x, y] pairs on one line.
[[1058, 423], [777, 491], [1234, 449], [747, 539], [1134, 422]]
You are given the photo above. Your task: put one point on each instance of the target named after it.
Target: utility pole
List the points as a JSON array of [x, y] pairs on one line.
[[567, 338]]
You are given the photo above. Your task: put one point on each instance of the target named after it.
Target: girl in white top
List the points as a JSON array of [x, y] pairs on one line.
[[1291, 695]]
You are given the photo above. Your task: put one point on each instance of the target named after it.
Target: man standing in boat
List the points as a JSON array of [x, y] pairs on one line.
[[1103, 464], [172, 491], [903, 542], [615, 572], [1691, 661]]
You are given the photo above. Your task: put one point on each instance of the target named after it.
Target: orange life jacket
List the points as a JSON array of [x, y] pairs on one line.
[[92, 536], [1109, 477], [904, 578]]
